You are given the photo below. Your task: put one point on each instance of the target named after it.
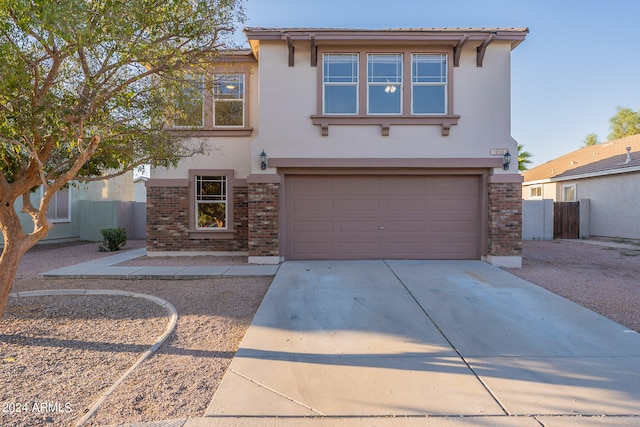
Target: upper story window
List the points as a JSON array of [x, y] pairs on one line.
[[535, 192], [384, 83], [212, 105], [428, 84], [189, 108], [228, 100], [359, 86], [340, 83]]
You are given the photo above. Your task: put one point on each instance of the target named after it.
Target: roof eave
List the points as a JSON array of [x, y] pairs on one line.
[[451, 36]]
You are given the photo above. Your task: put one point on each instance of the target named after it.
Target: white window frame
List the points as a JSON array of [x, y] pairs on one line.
[[443, 83], [391, 86], [224, 198], [53, 205], [355, 82], [564, 192], [535, 187], [242, 99]]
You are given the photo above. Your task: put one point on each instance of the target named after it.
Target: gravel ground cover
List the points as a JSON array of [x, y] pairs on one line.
[[602, 278], [59, 354]]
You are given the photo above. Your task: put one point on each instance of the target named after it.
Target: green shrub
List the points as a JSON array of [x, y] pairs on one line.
[[114, 239]]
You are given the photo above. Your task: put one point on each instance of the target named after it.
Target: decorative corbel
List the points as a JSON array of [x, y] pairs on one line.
[[291, 49], [457, 50], [482, 48], [446, 127], [314, 51]]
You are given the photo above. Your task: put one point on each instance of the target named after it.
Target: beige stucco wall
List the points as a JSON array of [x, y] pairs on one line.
[[223, 152], [614, 204], [549, 191], [283, 98], [289, 97]]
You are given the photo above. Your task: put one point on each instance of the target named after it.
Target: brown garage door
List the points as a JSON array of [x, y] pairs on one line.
[[370, 217]]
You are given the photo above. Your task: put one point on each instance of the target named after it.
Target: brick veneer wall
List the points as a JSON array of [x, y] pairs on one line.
[[505, 219], [264, 206], [168, 213]]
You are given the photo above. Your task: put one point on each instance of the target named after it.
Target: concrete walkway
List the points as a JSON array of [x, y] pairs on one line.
[[425, 343], [106, 268]]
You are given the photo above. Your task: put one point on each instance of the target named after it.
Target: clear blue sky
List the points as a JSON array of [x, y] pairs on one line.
[[579, 62]]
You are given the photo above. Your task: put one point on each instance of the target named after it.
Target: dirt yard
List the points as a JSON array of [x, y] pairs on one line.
[[59, 354], [602, 278]]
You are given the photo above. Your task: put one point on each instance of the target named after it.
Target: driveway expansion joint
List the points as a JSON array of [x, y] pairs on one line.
[[462, 358]]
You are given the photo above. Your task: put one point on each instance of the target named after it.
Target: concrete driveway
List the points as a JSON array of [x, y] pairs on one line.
[[425, 343]]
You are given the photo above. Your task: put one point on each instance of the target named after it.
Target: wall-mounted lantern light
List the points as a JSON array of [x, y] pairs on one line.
[[263, 160], [506, 159]]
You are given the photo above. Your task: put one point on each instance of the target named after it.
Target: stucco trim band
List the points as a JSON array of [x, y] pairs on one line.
[[283, 162]]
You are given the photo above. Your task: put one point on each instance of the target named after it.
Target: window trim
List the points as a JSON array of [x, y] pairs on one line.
[[415, 84], [208, 128], [195, 80], [445, 121], [218, 233], [575, 192], [399, 82], [54, 202], [355, 84], [242, 99]]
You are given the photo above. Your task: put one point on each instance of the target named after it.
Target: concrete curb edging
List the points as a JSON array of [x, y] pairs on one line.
[[173, 320]]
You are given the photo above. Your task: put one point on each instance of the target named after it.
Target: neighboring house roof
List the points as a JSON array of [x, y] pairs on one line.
[[600, 159]]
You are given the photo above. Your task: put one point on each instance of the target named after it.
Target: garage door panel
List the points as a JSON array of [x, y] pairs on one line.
[[452, 227], [449, 249], [410, 227], [313, 226], [360, 205], [422, 217], [403, 205], [368, 227], [314, 250], [321, 205], [359, 249], [450, 204], [359, 185], [405, 185]]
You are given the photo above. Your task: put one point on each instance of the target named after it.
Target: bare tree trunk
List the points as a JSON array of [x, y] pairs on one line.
[[9, 261], [16, 243]]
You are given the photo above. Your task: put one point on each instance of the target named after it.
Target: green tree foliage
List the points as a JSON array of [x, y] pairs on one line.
[[589, 140], [625, 122], [85, 90], [524, 158]]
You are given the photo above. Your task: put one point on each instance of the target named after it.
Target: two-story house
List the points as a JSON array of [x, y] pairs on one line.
[[349, 144]]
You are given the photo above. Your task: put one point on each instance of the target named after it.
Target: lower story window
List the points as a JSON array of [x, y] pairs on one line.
[[211, 202], [59, 206]]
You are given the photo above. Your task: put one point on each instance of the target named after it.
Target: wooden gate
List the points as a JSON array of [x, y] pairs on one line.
[[566, 220]]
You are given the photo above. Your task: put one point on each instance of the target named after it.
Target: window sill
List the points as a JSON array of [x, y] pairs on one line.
[[233, 132], [385, 122], [211, 234]]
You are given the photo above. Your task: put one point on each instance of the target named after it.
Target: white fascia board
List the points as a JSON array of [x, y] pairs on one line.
[[596, 174]]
